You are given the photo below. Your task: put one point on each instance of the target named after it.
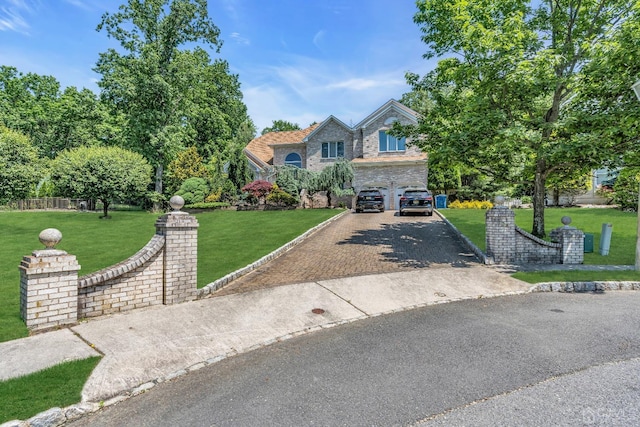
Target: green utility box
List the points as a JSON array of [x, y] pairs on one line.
[[588, 242]]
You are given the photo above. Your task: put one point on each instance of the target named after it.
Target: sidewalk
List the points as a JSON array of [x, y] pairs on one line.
[[148, 346]]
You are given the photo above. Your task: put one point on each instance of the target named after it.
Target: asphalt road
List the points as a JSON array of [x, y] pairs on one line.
[[536, 359]]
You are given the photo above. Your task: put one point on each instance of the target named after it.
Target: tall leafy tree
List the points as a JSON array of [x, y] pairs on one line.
[[54, 120], [501, 97], [238, 170], [279, 126], [20, 167], [151, 80], [27, 103], [79, 118]]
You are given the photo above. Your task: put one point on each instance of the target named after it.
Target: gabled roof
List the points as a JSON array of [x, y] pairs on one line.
[[325, 123], [392, 104], [260, 149]]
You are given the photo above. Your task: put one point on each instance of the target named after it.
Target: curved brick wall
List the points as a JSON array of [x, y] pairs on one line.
[[133, 283]]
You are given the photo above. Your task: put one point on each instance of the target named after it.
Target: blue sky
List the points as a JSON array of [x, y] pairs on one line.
[[297, 60]]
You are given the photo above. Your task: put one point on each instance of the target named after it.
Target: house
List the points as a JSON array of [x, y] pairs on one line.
[[379, 160]]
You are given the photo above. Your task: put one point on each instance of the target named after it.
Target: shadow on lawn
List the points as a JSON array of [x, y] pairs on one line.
[[416, 244]]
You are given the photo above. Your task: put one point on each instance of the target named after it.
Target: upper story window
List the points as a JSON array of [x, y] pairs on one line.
[[391, 143], [293, 159], [332, 150]]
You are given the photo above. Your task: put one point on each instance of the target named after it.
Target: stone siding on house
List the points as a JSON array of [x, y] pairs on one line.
[[370, 135], [331, 132]]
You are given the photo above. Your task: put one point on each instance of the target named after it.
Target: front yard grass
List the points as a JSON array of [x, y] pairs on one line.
[[471, 223], [227, 240], [58, 386]]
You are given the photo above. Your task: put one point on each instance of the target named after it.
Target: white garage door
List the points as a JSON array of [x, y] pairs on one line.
[[387, 200]]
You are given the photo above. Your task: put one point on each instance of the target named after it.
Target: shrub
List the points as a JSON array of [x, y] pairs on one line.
[[258, 189], [193, 190], [626, 189], [471, 204], [207, 205], [281, 198]]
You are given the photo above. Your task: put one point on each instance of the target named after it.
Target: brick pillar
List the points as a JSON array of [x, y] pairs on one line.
[[49, 285], [180, 254], [572, 241], [500, 237]]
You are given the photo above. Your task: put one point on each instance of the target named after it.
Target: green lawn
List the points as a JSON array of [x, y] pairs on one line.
[[471, 223], [58, 386], [227, 240]]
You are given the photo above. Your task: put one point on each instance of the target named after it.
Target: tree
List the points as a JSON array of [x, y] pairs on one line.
[[187, 164], [625, 190], [79, 118], [20, 168], [101, 173], [238, 170], [153, 80], [505, 100], [332, 180], [27, 103], [54, 120], [280, 126]]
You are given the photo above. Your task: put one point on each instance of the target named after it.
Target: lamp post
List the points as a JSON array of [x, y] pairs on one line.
[[636, 89]]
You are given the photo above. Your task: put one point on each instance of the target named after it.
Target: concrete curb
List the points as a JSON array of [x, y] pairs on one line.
[[574, 287]]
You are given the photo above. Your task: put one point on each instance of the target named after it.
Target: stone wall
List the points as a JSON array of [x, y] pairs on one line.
[[508, 244], [163, 272]]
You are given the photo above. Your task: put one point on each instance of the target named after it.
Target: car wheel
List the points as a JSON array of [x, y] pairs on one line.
[[381, 210], [358, 210]]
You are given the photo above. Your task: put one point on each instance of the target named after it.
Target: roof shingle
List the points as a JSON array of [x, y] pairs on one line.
[[261, 146]]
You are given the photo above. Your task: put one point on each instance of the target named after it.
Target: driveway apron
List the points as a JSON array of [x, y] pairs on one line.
[[362, 244]]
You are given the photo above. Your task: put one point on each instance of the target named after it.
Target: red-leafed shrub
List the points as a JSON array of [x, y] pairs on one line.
[[258, 189]]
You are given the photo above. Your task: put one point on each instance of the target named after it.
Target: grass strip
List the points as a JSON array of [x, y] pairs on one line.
[[58, 386], [578, 276]]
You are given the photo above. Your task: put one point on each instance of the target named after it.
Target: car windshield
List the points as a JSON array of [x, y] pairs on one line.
[[417, 194], [369, 193]]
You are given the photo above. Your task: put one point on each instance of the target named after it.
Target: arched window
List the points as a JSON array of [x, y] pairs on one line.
[[293, 159]]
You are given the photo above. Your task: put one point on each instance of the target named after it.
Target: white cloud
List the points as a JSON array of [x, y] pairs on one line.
[[239, 39], [304, 90], [12, 15]]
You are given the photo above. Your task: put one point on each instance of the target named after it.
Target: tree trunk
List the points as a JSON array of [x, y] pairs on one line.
[[538, 199], [556, 197], [105, 209]]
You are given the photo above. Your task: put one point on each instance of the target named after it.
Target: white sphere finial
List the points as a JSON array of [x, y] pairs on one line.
[[50, 237], [176, 202]]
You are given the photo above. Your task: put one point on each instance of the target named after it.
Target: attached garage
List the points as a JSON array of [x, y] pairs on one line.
[[390, 177]]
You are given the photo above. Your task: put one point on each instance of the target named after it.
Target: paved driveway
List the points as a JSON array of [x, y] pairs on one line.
[[361, 244]]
